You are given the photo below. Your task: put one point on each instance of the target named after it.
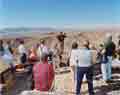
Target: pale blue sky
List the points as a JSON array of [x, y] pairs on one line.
[[59, 13]]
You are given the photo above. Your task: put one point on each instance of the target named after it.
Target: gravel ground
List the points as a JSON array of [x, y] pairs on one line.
[[63, 83]]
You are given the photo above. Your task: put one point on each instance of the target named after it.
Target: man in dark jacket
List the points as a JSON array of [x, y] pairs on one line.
[[109, 50]]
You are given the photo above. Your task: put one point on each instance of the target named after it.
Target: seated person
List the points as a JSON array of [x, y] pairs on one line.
[[43, 74]]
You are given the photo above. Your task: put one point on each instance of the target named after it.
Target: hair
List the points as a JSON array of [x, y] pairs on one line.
[[86, 44], [21, 41], [37, 45], [119, 42], [44, 56], [108, 37], [101, 45], [8, 42], [74, 45], [42, 41], [1, 42], [50, 52]]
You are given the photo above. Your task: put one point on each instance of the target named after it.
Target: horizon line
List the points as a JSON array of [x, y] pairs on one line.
[[82, 26]]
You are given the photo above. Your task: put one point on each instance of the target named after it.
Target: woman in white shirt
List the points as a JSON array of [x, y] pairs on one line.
[[42, 48]]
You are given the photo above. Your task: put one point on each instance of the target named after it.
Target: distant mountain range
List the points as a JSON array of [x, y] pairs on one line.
[[23, 31], [18, 32]]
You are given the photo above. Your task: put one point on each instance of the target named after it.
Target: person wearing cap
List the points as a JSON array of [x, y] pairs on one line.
[[108, 51], [81, 62], [61, 37]]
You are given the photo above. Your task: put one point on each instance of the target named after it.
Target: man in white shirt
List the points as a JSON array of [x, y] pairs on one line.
[[22, 51], [81, 61]]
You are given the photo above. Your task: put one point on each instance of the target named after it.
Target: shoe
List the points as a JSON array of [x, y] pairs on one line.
[[109, 81], [92, 94]]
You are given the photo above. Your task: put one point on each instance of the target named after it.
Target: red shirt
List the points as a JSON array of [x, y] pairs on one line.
[[32, 55], [43, 76]]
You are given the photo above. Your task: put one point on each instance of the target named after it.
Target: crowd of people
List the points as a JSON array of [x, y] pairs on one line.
[[40, 58], [47, 59], [81, 62]]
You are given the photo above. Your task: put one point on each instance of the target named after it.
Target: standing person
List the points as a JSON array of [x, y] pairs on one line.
[[43, 74], [1, 48], [32, 55], [56, 57], [72, 61], [13, 46], [103, 60], [81, 59], [22, 52], [118, 47], [61, 38], [8, 57], [109, 50], [42, 48], [9, 47]]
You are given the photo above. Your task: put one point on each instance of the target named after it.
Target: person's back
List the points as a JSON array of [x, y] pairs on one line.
[[110, 48], [42, 48], [82, 57], [108, 52], [81, 60], [109, 45], [21, 49], [43, 76]]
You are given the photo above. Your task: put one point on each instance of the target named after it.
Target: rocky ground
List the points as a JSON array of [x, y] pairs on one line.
[[65, 86], [64, 81]]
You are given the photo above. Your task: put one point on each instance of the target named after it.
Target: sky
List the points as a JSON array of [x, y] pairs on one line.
[[58, 13]]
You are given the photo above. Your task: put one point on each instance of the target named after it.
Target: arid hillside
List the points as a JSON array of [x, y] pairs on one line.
[[95, 38]]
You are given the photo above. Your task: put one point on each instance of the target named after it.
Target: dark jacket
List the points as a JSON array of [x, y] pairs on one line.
[[110, 48]]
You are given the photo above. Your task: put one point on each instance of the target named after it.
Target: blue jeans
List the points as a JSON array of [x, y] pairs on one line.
[[88, 71], [106, 69]]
